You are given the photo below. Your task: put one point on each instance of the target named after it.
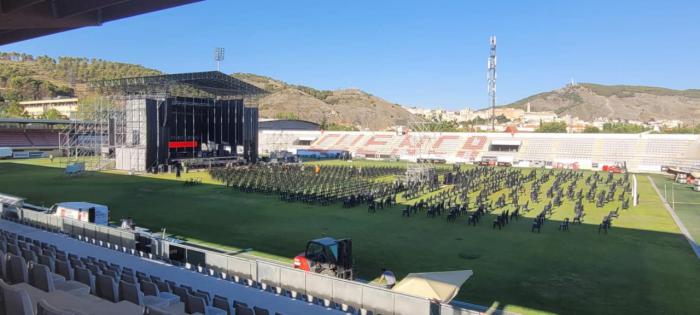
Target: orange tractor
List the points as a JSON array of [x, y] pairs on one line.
[[327, 256]]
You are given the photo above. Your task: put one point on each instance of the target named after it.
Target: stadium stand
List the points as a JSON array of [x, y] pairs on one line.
[[30, 137], [91, 279], [268, 285], [14, 138], [640, 152], [42, 138]]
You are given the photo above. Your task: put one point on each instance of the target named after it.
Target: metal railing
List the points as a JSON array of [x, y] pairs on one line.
[[330, 291]]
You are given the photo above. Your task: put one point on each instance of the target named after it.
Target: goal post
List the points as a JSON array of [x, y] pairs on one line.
[[634, 190]]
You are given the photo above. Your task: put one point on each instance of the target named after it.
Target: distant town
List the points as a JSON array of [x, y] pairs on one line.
[[515, 119], [467, 120]]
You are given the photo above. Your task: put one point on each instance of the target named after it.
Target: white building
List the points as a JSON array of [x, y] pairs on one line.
[[66, 106]]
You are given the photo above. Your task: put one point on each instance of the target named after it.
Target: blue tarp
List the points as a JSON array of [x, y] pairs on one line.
[[321, 154]]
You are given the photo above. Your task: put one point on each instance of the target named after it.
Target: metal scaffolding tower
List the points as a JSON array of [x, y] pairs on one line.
[[100, 130]]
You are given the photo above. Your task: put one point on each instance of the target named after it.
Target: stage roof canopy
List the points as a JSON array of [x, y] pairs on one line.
[[211, 82], [25, 19]]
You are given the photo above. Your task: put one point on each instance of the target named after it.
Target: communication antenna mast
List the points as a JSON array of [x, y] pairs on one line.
[[491, 79], [218, 57]]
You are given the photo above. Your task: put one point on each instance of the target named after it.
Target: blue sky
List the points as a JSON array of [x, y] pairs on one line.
[[416, 53]]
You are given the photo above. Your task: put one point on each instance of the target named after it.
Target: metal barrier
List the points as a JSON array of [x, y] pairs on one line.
[[449, 309], [326, 289], [119, 237], [343, 292]]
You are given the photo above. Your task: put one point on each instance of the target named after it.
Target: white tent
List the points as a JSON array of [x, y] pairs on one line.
[[441, 286]]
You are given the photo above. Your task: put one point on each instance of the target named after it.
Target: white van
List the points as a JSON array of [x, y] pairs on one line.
[[82, 211]]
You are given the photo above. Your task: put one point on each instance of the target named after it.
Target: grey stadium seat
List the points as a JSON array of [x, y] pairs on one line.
[[132, 293], [149, 288], [196, 304], [16, 270], [107, 288], [17, 301], [85, 277], [42, 278]]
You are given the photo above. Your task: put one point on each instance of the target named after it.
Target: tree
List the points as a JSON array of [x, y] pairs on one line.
[[591, 129], [53, 114], [338, 127], [622, 127], [89, 105], [552, 127], [681, 130], [478, 121], [502, 119], [287, 116], [12, 110]]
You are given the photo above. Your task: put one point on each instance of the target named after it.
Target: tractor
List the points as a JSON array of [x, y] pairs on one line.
[[327, 256]]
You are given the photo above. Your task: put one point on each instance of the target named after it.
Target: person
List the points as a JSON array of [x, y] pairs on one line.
[[127, 223], [389, 278], [51, 158]]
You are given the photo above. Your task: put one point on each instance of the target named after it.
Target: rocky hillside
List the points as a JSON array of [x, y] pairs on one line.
[[346, 107], [25, 77], [589, 101]]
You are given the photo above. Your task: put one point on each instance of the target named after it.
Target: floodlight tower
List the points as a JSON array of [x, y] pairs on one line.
[[218, 57], [491, 79]]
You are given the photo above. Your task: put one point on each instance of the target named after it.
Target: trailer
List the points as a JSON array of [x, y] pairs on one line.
[[82, 211], [5, 153]]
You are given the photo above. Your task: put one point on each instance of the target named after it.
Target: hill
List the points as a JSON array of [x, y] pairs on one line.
[[25, 77], [344, 107], [589, 101]]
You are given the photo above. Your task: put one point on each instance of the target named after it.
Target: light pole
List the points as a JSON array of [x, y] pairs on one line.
[[218, 57]]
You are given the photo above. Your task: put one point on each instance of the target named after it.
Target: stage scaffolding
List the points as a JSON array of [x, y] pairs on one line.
[[111, 122], [101, 130]]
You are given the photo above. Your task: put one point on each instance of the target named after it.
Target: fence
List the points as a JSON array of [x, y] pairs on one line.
[[349, 295], [125, 239]]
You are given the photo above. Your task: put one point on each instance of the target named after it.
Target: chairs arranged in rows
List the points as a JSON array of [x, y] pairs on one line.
[[48, 269]]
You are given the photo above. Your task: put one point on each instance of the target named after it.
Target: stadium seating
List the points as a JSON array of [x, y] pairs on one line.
[[23, 138], [641, 152], [14, 139], [42, 137], [121, 283]]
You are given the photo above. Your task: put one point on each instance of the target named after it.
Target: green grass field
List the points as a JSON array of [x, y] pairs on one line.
[[642, 266], [687, 204]]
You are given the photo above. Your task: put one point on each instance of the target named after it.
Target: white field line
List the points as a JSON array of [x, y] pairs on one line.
[[688, 237]]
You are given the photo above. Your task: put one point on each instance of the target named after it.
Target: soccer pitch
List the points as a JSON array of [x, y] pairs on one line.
[[687, 202], [643, 265]]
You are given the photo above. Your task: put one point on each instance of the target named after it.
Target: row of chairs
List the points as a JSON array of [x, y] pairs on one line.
[[204, 270], [35, 262]]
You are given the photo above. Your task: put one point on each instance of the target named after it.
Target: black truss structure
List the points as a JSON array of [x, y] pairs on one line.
[[193, 84]]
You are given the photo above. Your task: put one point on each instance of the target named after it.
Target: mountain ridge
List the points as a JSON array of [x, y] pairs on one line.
[[23, 76], [589, 101]]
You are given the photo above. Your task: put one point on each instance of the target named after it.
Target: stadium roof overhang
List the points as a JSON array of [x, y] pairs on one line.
[[211, 82], [25, 121], [25, 19]]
